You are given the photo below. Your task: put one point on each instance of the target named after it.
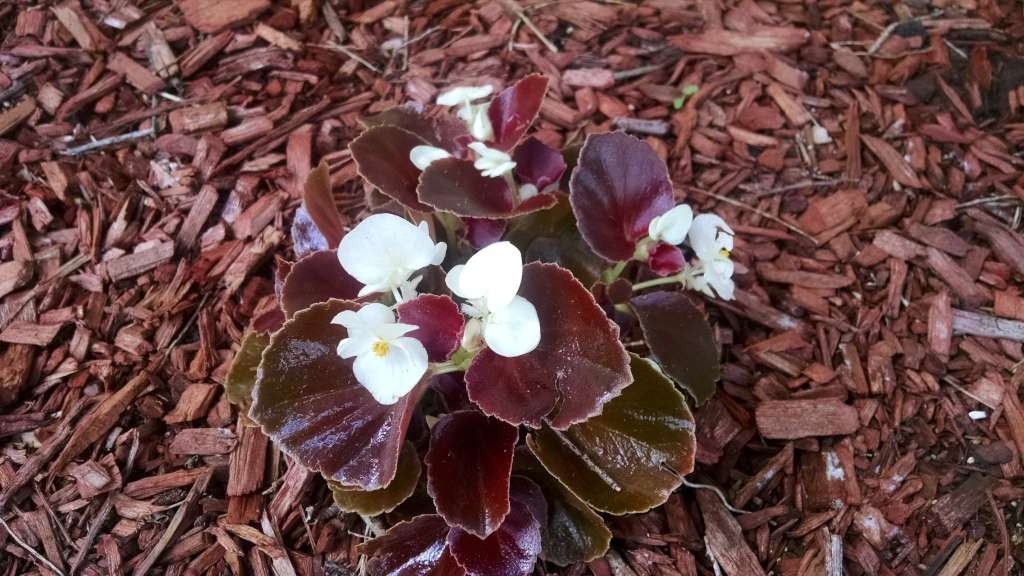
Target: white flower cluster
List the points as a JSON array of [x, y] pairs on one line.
[[490, 162], [384, 252], [711, 240]]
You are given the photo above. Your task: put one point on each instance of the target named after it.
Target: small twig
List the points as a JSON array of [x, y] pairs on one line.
[[186, 327], [42, 559], [795, 186], [891, 28], [757, 211], [721, 496], [350, 54], [111, 141], [519, 13], [634, 72]]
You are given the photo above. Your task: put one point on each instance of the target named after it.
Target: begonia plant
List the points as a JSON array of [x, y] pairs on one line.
[[489, 303]]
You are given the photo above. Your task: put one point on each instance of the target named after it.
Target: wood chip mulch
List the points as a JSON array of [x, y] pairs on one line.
[[868, 153]]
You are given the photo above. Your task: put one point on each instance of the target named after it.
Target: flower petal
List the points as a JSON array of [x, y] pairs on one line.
[[463, 94], [513, 330], [423, 156], [672, 226], [494, 274], [709, 234], [373, 315], [390, 377], [385, 249]]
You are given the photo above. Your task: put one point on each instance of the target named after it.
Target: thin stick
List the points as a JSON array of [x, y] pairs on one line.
[[757, 211], [111, 141], [42, 559], [514, 7], [721, 496], [350, 54]]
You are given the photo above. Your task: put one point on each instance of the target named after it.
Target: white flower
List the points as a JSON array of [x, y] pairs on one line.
[[490, 162], [464, 95], [712, 277], [712, 241], [388, 363], [423, 156], [672, 226], [490, 281], [384, 251], [710, 236], [474, 115]]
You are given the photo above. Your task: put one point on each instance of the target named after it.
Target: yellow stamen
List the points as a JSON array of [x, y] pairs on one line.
[[724, 252], [380, 348]]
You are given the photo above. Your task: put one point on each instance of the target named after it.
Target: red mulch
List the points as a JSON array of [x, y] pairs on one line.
[[867, 153]]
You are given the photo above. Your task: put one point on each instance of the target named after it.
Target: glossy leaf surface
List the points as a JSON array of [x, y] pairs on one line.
[[440, 324], [442, 130], [306, 237], [454, 185], [468, 468], [617, 188], [630, 457], [515, 108], [511, 550], [242, 376], [319, 204], [374, 502], [317, 278], [418, 547], [572, 531], [681, 340], [480, 232], [577, 367], [382, 157], [537, 164], [308, 401]]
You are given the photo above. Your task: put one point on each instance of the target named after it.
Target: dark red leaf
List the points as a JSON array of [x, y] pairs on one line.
[[440, 324], [415, 548], [681, 340], [468, 468], [665, 259], [269, 321], [444, 131], [317, 278], [538, 164], [528, 493], [382, 157], [617, 188], [454, 185], [578, 366], [308, 401], [572, 531], [306, 237], [510, 551], [633, 455], [452, 388], [319, 203], [515, 108], [480, 232], [374, 502]]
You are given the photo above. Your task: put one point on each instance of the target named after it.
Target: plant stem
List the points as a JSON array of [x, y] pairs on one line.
[[657, 282], [612, 274]]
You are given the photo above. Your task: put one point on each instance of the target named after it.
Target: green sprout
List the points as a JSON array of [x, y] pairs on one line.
[[686, 92]]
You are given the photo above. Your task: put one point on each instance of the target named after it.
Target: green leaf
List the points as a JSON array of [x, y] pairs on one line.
[[374, 502], [681, 340], [633, 455], [573, 532], [242, 375]]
